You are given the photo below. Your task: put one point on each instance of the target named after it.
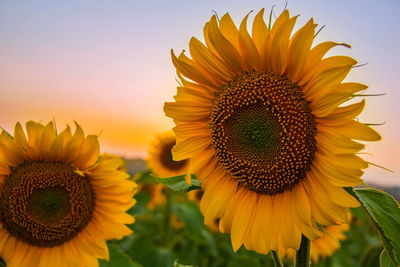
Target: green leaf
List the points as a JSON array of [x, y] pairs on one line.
[[141, 201], [178, 183], [385, 213], [371, 256], [190, 215], [385, 260], [177, 264], [144, 177], [160, 257], [241, 261], [118, 258]]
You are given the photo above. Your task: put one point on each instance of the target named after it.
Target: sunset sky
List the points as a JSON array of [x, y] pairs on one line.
[[106, 64]]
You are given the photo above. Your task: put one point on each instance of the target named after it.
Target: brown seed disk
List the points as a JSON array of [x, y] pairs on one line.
[[166, 158], [263, 132], [45, 204]]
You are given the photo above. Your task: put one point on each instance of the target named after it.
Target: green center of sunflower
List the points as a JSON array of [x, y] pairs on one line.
[[45, 204], [263, 132], [167, 160]]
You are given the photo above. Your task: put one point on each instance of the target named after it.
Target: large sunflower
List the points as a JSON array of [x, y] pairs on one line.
[[261, 120], [159, 157], [59, 200]]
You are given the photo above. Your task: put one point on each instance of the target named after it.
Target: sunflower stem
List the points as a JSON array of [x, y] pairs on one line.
[[167, 217], [276, 258], [303, 254]]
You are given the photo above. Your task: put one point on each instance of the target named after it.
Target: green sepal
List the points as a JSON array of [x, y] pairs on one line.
[[178, 183]]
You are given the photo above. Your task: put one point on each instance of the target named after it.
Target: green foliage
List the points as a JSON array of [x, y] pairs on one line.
[[385, 213], [178, 183], [118, 258], [371, 256], [177, 264]]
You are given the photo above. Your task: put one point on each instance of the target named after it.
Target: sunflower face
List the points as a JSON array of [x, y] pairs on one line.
[[45, 204], [58, 195], [160, 160], [263, 132], [261, 119]]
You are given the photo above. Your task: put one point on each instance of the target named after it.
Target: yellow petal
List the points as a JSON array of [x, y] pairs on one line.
[[336, 194], [226, 49], [283, 18], [279, 47], [229, 30], [191, 72], [229, 213], [337, 144], [193, 111], [337, 176], [46, 141], [342, 115], [186, 130], [71, 148], [189, 147], [356, 130], [324, 104], [209, 61], [185, 94], [20, 138], [291, 234], [34, 131], [216, 198], [10, 154], [314, 58], [350, 161], [247, 46], [299, 49], [259, 33], [242, 218], [57, 148], [331, 72], [88, 152]]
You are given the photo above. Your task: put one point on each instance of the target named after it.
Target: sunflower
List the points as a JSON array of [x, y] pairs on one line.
[[156, 191], [324, 246], [60, 201], [261, 119], [159, 159]]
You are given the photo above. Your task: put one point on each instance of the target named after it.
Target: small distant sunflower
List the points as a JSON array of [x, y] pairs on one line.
[[195, 196], [59, 200], [261, 119], [156, 191], [324, 246], [159, 159]]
